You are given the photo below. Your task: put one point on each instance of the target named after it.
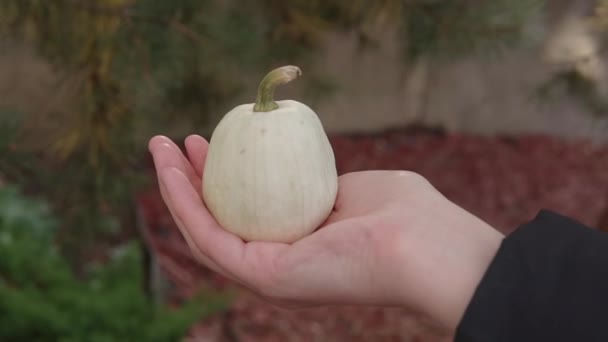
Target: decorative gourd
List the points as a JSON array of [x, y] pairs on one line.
[[270, 172]]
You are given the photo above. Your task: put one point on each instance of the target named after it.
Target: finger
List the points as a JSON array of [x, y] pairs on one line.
[[201, 257], [222, 247], [166, 154], [198, 255], [197, 146]]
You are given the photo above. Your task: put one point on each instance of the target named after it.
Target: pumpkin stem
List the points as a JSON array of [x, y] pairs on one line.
[[265, 99]]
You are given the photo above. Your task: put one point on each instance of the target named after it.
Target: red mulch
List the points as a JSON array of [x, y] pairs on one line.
[[503, 180]]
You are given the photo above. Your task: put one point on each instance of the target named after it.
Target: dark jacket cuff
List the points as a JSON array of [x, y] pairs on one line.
[[547, 282]]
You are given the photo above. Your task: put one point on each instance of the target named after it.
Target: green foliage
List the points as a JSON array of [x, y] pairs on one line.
[[438, 28], [42, 300], [571, 84], [577, 49], [457, 28]]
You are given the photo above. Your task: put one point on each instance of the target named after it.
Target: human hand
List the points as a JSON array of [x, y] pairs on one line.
[[392, 240]]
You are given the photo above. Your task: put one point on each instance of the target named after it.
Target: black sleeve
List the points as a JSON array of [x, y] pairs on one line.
[[547, 282]]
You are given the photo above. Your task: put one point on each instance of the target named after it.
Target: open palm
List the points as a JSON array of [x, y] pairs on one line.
[[387, 242]]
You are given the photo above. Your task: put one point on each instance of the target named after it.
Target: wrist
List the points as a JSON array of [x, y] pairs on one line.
[[459, 251], [477, 248]]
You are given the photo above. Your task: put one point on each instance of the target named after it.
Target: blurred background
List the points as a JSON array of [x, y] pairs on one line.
[[501, 104]]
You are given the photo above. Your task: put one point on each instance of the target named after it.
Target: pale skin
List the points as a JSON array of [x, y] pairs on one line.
[[392, 240]]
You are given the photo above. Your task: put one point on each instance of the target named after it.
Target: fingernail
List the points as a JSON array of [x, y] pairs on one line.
[[155, 140]]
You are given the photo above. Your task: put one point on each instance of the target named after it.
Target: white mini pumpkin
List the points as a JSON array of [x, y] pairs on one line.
[[270, 172]]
